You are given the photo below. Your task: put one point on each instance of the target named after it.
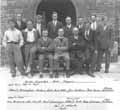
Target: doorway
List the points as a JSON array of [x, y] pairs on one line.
[[64, 8]]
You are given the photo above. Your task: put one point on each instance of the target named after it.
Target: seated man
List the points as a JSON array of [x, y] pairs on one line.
[[45, 49], [61, 47], [77, 48]]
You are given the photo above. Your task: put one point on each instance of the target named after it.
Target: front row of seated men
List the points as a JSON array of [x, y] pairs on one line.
[[72, 50], [45, 46]]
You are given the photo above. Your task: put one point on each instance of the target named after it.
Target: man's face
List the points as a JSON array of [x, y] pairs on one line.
[[93, 18], [68, 21], [30, 25], [45, 33], [54, 16], [75, 31], [19, 17], [11, 24], [39, 19], [61, 32], [80, 20]]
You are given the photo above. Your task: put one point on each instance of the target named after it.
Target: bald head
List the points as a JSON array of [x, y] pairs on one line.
[[75, 31]]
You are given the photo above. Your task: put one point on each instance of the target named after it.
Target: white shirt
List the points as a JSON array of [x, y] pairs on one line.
[[76, 37], [19, 23], [30, 35], [80, 26], [13, 36], [87, 32], [55, 22], [105, 27], [69, 26], [38, 27], [94, 26]]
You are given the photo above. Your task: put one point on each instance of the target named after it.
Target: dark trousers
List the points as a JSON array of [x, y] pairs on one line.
[[90, 60], [23, 53], [101, 52], [15, 58], [77, 60]]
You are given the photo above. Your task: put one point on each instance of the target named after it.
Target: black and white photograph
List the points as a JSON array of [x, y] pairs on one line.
[[49, 48]]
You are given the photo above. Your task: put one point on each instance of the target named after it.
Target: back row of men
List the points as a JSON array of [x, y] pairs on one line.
[[84, 43]]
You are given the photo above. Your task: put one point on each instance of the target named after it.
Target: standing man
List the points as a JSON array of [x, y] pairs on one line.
[[90, 42], [61, 49], [93, 23], [13, 41], [30, 38], [54, 25], [105, 45], [94, 27], [20, 25], [40, 26], [45, 47], [80, 25], [68, 28]]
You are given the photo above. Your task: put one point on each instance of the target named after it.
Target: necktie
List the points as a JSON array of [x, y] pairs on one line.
[[94, 26], [54, 23], [86, 35]]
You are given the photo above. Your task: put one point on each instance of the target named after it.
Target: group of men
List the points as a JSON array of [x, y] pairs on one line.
[[81, 47]]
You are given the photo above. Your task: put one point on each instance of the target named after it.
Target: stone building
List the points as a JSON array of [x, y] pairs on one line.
[[73, 8]]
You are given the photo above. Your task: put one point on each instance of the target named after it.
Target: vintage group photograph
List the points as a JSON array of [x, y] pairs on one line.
[[60, 38]]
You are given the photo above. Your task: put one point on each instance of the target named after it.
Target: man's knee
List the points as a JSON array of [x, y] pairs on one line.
[[50, 57], [41, 57]]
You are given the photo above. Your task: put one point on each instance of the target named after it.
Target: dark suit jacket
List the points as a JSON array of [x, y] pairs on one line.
[[68, 31], [53, 30], [22, 27], [81, 31], [76, 47], [42, 28], [90, 40], [105, 40]]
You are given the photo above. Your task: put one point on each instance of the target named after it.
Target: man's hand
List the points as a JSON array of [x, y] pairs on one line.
[[43, 48], [74, 44], [20, 45], [96, 52], [110, 49], [5, 45]]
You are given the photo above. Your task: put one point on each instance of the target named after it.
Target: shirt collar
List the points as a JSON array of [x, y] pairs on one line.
[[60, 37], [76, 37], [33, 30], [13, 29], [45, 38], [69, 25], [55, 21]]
